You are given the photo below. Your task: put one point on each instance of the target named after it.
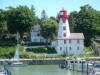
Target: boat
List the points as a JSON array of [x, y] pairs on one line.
[[15, 61], [95, 70], [4, 71]]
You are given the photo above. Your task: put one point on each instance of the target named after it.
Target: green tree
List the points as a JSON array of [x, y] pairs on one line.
[[72, 20], [3, 23], [97, 22], [33, 9], [49, 29], [20, 19], [85, 23], [53, 18], [43, 15]]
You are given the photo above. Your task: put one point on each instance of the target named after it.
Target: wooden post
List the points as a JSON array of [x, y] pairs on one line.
[[73, 66], [87, 68], [82, 67]]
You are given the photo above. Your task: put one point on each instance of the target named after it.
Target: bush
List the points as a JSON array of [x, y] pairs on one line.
[[37, 43], [42, 50]]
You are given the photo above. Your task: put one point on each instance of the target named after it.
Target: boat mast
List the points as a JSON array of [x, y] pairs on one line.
[[18, 39]]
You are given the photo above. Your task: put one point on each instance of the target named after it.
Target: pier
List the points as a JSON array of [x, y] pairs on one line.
[[85, 66]]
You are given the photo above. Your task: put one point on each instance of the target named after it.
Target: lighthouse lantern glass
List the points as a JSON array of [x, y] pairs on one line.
[[61, 13]]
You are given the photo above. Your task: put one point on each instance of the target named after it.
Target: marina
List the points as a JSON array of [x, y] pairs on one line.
[[70, 67], [42, 38]]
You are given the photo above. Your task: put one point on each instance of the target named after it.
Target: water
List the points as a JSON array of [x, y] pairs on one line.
[[42, 70]]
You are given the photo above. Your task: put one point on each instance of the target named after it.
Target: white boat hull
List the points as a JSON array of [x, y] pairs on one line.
[[17, 64]]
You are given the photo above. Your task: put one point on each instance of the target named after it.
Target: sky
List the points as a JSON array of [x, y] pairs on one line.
[[52, 7]]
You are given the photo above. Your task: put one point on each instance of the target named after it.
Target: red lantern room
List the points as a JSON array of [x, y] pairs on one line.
[[63, 14]]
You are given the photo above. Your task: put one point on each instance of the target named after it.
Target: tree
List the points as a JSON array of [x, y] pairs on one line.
[[85, 23], [97, 23], [20, 19], [33, 9], [72, 20], [43, 15], [53, 18], [3, 23], [49, 29]]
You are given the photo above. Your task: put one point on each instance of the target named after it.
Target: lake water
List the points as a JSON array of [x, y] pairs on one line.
[[42, 70]]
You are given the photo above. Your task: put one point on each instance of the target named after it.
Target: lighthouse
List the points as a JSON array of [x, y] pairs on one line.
[[67, 43], [63, 30]]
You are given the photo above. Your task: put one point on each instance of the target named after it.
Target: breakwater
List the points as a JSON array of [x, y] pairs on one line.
[[37, 61]]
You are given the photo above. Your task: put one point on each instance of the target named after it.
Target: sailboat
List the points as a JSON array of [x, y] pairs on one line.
[[15, 61]]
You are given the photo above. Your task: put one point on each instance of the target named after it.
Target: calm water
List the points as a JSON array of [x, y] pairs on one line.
[[42, 70]]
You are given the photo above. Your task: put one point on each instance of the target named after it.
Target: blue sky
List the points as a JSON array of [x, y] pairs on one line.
[[51, 6]]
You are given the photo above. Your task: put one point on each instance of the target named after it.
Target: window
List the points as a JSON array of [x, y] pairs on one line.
[[78, 48], [32, 28], [64, 27], [38, 34], [70, 48], [64, 41], [57, 42], [60, 48], [70, 41], [64, 34], [78, 41], [41, 40], [64, 20], [66, 48], [61, 13]]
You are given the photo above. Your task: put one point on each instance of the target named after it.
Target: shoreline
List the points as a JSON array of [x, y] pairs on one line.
[[36, 61]]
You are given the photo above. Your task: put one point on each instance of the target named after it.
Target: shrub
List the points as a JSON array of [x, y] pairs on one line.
[[37, 43], [42, 50]]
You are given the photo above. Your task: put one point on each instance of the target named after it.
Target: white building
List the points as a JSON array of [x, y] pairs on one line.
[[35, 34], [67, 43]]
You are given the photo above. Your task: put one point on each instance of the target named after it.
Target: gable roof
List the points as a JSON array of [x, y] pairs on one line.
[[73, 36]]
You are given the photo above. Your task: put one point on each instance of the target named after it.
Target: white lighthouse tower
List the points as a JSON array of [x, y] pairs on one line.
[[63, 31], [67, 43]]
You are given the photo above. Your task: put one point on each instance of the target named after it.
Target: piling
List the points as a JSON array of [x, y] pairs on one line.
[[82, 66]]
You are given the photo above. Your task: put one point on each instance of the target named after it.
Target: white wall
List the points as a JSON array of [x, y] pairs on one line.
[[73, 46], [35, 34]]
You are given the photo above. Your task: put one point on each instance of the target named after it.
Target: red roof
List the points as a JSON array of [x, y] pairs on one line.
[[73, 36], [64, 14]]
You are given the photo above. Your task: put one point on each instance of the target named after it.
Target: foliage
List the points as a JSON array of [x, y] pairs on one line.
[[72, 20], [53, 18], [3, 23], [42, 50], [20, 19], [37, 43], [87, 49], [85, 21], [43, 15], [49, 29]]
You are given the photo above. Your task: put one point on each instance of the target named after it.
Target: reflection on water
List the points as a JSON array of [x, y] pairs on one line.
[[42, 70]]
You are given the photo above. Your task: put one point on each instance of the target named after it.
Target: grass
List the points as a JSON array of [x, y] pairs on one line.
[[87, 49], [9, 51]]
